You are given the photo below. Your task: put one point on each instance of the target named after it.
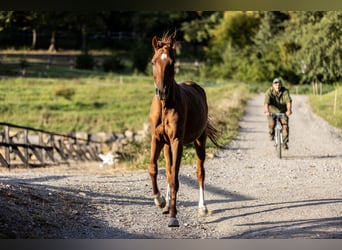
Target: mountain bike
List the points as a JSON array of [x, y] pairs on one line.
[[278, 135]]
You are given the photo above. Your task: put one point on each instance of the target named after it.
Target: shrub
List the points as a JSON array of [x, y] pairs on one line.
[[7, 70], [85, 61], [113, 64], [141, 54]]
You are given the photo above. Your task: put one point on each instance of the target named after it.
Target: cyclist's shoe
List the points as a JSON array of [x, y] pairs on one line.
[[285, 146], [271, 135]]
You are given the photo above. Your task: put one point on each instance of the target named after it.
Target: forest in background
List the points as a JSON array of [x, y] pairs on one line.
[[299, 46]]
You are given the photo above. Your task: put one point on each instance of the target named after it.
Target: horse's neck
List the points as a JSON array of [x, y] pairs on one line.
[[174, 90]]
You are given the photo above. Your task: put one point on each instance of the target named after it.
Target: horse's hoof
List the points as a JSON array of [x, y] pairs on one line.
[[166, 209], [203, 211], [160, 202], [173, 222]]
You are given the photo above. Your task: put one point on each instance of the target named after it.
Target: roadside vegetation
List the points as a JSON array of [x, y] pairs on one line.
[[73, 100], [61, 99], [329, 106]]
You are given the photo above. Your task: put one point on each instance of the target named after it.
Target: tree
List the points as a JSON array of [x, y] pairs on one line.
[[5, 19], [267, 50], [197, 30], [312, 46], [231, 43], [321, 53], [22, 20]]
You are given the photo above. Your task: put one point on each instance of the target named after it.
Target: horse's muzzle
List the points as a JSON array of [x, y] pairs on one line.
[[163, 93]]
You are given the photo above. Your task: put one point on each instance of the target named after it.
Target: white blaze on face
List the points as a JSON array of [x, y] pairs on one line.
[[163, 56]]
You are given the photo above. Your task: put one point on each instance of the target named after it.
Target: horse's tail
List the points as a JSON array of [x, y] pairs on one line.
[[214, 134]]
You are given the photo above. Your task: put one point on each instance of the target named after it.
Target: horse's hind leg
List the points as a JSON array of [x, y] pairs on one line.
[[200, 172], [156, 148]]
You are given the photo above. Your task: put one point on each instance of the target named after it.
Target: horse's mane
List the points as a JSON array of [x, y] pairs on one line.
[[167, 39]]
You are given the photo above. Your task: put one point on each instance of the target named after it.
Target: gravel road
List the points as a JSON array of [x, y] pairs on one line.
[[251, 194]]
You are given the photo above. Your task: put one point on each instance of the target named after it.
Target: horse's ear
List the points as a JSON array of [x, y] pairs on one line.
[[173, 36], [155, 42], [173, 39]]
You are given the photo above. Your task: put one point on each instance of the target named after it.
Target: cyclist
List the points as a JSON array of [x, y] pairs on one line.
[[278, 100]]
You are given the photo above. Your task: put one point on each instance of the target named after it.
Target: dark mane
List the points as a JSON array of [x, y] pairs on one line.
[[167, 40]]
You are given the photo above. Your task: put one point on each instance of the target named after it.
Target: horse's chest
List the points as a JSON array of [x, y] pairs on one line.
[[170, 127]]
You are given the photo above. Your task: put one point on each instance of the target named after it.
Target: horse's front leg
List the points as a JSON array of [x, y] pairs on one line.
[[156, 148], [172, 178], [167, 157]]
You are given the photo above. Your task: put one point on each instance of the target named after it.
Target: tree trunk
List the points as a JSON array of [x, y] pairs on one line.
[[84, 39], [34, 38], [52, 47]]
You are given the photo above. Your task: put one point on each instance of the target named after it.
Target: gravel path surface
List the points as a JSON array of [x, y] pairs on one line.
[[249, 191]]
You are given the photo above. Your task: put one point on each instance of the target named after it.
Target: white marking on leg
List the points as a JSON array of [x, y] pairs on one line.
[[168, 195], [201, 198], [158, 200]]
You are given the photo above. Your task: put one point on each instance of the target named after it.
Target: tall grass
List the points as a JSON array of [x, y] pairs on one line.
[[329, 106]]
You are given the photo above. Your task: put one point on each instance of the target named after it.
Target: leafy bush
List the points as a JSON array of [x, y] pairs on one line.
[[23, 63], [113, 64], [6, 70], [141, 55], [85, 61]]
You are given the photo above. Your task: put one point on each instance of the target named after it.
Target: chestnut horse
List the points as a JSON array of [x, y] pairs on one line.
[[178, 116]]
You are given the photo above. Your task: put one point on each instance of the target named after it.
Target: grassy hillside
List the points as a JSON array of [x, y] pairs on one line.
[[329, 106]]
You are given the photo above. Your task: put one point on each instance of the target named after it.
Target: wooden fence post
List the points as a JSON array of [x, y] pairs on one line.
[[41, 151], [7, 141], [26, 148], [335, 102]]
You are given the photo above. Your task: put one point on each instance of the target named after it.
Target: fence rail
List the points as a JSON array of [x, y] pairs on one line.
[[47, 60], [24, 146]]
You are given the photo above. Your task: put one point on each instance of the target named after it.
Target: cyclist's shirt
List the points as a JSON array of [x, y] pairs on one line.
[[277, 103]]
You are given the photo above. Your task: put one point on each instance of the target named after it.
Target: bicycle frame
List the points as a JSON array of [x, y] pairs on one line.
[[278, 137]]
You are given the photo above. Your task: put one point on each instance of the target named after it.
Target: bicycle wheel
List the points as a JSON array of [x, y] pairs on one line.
[[278, 135]]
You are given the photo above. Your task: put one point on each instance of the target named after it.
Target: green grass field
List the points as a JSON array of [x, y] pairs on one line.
[[84, 104], [329, 106]]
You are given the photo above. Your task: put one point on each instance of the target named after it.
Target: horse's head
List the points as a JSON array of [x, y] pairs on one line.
[[163, 65]]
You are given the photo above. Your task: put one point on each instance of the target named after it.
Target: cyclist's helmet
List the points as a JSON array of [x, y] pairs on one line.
[[277, 80]]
